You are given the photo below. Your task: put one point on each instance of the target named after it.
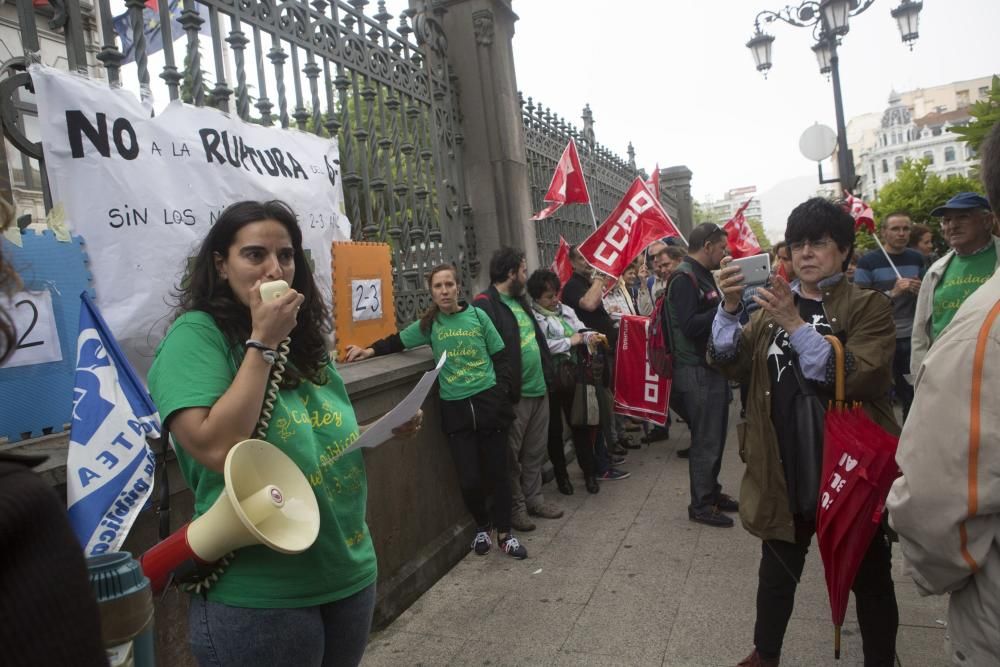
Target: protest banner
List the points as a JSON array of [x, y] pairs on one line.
[[639, 391], [143, 192]]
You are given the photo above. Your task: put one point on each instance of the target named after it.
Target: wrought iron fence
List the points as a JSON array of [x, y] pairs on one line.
[[385, 93], [608, 175]]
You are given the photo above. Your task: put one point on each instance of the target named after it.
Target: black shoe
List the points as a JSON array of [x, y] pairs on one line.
[[726, 503], [683, 453], [564, 485], [591, 483], [657, 433], [710, 517], [618, 450], [618, 460]]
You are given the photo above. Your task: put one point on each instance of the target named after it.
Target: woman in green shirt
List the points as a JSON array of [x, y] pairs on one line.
[[475, 408], [209, 379]]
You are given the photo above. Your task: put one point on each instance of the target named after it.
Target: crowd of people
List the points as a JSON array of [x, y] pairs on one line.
[[530, 360]]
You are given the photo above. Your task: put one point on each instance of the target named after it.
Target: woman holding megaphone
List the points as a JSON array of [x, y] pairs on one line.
[[211, 375]]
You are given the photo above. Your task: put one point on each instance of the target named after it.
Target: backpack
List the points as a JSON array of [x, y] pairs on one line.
[[659, 349]]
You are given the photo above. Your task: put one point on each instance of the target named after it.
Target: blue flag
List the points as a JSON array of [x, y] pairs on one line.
[[109, 470], [152, 28]]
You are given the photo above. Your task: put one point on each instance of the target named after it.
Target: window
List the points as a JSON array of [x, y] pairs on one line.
[[873, 173], [898, 163], [962, 98], [984, 92], [929, 156], [885, 166], [936, 131], [949, 154]]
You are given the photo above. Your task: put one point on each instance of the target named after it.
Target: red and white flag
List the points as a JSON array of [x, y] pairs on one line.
[[862, 213], [637, 221], [639, 391], [742, 241], [561, 265], [567, 186], [654, 183]]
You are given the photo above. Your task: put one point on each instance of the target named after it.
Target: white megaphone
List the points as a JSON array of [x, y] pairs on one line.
[[267, 500]]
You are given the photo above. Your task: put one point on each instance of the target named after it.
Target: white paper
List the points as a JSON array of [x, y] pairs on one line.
[[35, 323], [381, 430], [366, 299]]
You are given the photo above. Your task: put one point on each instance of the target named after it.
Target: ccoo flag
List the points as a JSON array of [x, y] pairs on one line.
[[742, 241], [109, 470]]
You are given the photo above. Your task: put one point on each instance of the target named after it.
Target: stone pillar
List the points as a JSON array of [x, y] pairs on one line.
[[675, 184], [479, 34]]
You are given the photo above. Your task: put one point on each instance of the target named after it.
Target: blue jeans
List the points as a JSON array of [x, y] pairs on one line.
[[331, 635], [705, 395]]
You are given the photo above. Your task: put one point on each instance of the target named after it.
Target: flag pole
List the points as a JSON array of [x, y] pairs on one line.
[[887, 258], [593, 217]]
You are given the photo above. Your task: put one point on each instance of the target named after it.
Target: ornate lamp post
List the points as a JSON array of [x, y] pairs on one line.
[[830, 21]]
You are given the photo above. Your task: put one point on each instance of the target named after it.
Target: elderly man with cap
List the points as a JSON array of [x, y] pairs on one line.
[[967, 224]]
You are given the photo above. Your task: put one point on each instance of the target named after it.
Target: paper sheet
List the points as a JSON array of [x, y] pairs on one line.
[[381, 430]]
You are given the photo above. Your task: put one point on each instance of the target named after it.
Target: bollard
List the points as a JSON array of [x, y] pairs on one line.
[[126, 606]]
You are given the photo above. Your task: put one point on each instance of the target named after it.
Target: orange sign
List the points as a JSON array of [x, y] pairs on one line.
[[363, 306]]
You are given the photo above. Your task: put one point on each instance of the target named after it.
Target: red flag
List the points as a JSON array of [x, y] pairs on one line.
[[639, 391], [637, 221], [567, 186], [742, 241], [561, 264], [861, 212], [654, 183]]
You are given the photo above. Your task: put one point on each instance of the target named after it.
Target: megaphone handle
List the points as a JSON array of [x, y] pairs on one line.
[[160, 561]]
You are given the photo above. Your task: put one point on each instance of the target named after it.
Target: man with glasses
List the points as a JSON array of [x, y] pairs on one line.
[[967, 225]]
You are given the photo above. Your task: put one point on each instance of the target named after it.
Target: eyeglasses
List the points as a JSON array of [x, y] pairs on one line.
[[821, 244]]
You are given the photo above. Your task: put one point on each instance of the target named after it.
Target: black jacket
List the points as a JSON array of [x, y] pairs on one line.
[[506, 323]]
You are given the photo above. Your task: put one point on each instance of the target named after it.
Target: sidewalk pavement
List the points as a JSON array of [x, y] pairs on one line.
[[624, 578]]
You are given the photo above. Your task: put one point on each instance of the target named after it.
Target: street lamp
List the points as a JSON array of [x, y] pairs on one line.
[[830, 20]]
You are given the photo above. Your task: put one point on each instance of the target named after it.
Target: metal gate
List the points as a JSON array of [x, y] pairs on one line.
[[384, 92]]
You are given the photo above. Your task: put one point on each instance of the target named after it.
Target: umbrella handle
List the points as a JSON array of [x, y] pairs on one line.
[[838, 351]]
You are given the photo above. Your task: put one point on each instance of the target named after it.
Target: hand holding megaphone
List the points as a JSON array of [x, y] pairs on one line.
[[267, 500]]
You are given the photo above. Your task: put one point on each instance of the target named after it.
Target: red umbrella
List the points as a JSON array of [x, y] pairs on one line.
[[858, 468]]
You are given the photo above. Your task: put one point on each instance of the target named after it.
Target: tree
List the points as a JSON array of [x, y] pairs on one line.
[[918, 193], [699, 215], [986, 113]]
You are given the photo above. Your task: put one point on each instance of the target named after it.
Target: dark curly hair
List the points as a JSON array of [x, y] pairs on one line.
[[202, 289], [9, 282], [817, 217], [541, 280], [504, 261]]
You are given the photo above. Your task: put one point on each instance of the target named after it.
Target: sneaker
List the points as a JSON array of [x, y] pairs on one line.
[[546, 511], [726, 503], [614, 474], [683, 453], [710, 517], [510, 546], [755, 660], [481, 545], [618, 460], [521, 522], [618, 450]]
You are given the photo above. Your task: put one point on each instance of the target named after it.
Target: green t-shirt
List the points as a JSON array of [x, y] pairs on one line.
[[532, 376], [962, 277], [469, 338], [194, 366]]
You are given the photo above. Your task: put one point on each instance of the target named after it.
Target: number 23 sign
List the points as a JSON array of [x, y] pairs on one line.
[[366, 299], [35, 322]]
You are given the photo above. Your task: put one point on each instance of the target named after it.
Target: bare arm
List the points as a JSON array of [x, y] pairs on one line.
[[593, 297], [208, 434]]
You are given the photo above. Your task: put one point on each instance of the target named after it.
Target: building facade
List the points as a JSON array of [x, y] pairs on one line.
[[916, 126], [721, 210]]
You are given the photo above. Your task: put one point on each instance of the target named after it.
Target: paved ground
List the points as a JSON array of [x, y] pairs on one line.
[[625, 579]]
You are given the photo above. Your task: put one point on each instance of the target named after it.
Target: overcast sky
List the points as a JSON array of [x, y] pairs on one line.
[[675, 78]]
